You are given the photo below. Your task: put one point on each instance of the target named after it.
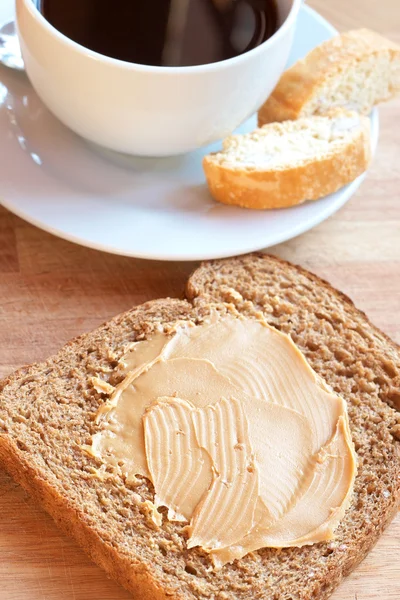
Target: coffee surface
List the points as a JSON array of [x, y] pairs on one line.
[[164, 32]]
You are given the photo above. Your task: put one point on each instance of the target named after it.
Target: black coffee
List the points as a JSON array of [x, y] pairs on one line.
[[164, 32]]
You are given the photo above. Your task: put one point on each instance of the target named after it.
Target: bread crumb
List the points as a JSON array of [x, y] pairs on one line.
[[101, 386]]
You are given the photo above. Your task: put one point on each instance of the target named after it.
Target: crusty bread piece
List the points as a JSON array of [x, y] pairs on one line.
[[46, 415], [283, 164], [355, 70]]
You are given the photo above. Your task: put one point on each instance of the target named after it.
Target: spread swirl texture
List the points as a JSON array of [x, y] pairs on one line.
[[239, 436]]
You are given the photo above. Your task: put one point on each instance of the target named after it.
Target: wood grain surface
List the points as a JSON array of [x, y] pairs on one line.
[[51, 290]]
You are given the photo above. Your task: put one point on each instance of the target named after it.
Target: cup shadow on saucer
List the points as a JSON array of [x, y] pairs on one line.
[[83, 167]]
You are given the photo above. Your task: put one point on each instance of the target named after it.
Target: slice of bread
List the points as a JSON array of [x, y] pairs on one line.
[[283, 164], [355, 70], [47, 414]]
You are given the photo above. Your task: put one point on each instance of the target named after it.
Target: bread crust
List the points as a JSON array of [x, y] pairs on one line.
[[281, 188], [212, 282], [300, 84], [135, 577], [195, 288]]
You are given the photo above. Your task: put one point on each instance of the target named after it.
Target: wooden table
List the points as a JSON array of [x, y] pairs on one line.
[[52, 290]]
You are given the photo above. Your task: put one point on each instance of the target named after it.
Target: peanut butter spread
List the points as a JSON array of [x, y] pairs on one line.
[[239, 436]]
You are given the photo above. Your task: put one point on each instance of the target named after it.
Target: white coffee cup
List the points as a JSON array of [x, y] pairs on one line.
[[145, 110]]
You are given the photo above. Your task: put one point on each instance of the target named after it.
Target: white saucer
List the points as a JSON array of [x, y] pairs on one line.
[[148, 208]]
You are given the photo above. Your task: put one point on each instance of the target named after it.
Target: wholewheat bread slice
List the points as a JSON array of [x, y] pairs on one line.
[[46, 417], [284, 164], [355, 70]]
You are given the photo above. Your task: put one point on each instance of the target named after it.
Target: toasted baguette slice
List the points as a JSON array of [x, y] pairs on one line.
[[47, 416], [355, 70], [283, 164]]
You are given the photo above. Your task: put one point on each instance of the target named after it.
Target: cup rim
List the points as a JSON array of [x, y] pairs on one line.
[[130, 66]]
